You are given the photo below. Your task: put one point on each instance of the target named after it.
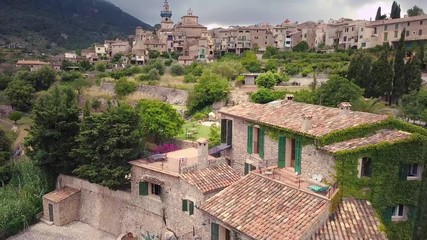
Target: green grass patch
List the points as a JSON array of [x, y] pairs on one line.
[[194, 131]]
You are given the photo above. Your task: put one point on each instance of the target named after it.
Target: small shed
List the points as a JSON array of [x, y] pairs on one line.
[[62, 206], [250, 78]]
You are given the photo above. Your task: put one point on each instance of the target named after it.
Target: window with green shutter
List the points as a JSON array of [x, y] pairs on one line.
[[229, 132], [184, 205], [214, 231], [191, 208], [298, 155], [403, 171], [261, 143], [249, 138], [388, 213], [143, 188], [223, 130], [282, 151], [246, 168]]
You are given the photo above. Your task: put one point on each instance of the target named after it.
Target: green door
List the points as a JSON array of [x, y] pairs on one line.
[[282, 151], [214, 231], [298, 155], [261, 143], [249, 138]]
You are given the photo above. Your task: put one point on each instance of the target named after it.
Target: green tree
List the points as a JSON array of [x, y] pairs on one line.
[[360, 69], [53, 135], [214, 136], [210, 89], [272, 65], [157, 65], [305, 96], [4, 80], [414, 105], [381, 78], [250, 62], [399, 68], [301, 47], [270, 52], [395, 10], [159, 120], [415, 11], [371, 105], [124, 87], [116, 58], [100, 66], [268, 80], [412, 74], [5, 149], [85, 65], [43, 78], [378, 16], [265, 95], [229, 69], [20, 95], [177, 70], [106, 142], [70, 76], [15, 116], [80, 84], [153, 54], [153, 74], [336, 90]]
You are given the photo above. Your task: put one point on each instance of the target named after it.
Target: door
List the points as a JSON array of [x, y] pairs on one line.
[[227, 234], [50, 212], [293, 153]]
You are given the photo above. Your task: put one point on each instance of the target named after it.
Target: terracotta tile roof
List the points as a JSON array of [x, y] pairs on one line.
[[289, 115], [262, 208], [385, 135], [61, 194], [31, 62], [212, 178], [354, 219]]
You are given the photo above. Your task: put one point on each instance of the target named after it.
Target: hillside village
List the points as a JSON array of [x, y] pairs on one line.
[[313, 130]]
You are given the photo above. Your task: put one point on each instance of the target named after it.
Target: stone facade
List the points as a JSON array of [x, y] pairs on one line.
[[64, 211]]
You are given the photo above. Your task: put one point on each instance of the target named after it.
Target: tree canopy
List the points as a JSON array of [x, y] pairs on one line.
[[159, 120], [414, 105], [268, 80], [395, 10], [20, 95], [106, 142], [415, 11], [301, 47], [336, 90], [124, 87], [53, 135]]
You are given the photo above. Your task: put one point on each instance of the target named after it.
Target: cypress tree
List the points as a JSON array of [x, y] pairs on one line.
[[412, 74], [378, 16], [382, 77], [399, 68]]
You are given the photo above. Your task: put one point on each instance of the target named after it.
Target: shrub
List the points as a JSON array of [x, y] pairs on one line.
[[15, 116], [177, 70], [264, 95], [100, 66], [240, 80], [144, 77], [124, 87], [70, 76], [154, 74], [168, 62], [165, 148], [190, 78]]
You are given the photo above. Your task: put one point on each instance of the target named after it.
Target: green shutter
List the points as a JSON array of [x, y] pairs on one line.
[[412, 214], [388, 213], [214, 231], [223, 130], [261, 143], [143, 188], [191, 210], [403, 171], [184, 205], [250, 134], [229, 132], [298, 155], [282, 151]]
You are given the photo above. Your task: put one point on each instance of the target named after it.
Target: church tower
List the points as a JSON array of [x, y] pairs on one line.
[[166, 15]]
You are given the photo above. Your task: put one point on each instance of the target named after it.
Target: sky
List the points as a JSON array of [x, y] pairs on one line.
[[216, 13]]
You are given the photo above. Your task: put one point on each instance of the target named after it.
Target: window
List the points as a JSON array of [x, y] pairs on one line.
[[385, 36], [409, 24], [188, 206], [352, 29], [345, 39], [396, 34], [421, 22], [396, 26], [256, 140], [420, 32], [361, 29], [249, 168], [363, 44], [400, 212], [365, 167], [375, 30], [407, 33], [385, 27], [156, 189], [414, 171]]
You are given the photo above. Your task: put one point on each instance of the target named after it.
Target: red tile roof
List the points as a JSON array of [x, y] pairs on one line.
[[263, 208], [385, 135], [61, 194], [31, 62], [289, 115], [354, 219], [212, 178]]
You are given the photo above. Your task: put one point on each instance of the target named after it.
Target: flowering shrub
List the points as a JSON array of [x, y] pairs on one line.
[[165, 148]]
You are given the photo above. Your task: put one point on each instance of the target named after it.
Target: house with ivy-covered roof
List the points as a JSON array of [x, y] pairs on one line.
[[334, 152]]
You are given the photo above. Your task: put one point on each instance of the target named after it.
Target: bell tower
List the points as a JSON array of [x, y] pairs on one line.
[[166, 15]]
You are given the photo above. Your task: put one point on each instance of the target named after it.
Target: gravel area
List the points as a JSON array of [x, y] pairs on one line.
[[72, 231]]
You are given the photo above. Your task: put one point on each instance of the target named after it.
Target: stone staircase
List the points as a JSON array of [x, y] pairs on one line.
[[287, 175]]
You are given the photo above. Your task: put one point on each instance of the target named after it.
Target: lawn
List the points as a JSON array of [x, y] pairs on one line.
[[199, 130]]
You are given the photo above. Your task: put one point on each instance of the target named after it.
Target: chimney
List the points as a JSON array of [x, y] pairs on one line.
[[202, 148], [345, 106], [306, 122]]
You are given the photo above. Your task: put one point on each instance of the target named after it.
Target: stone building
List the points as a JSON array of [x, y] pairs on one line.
[[62, 206], [293, 144], [34, 65]]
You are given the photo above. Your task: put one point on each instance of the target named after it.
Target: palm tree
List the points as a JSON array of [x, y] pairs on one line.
[[371, 105]]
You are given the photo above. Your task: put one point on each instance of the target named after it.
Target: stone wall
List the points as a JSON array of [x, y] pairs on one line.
[[314, 161], [69, 209]]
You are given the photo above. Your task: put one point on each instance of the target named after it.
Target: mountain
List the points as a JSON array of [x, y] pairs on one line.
[[70, 24]]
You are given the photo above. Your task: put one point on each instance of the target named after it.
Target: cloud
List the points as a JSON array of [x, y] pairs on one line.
[[245, 12]]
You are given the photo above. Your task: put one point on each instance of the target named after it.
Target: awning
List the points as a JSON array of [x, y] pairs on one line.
[[218, 149]]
